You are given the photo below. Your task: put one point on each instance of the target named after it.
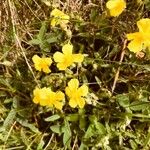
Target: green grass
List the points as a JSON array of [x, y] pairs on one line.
[[117, 113]]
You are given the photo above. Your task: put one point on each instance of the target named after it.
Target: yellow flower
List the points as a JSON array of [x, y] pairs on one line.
[[140, 40], [46, 97], [42, 64], [66, 58], [116, 7], [76, 93], [59, 18]]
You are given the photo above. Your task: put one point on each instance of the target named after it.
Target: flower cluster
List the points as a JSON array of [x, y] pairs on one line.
[[140, 40], [45, 96], [63, 60]]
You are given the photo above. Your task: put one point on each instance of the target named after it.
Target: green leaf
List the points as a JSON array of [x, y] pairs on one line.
[[72, 117], [147, 140], [133, 144], [82, 119], [35, 42], [90, 131], [67, 135], [100, 128], [56, 129], [42, 31], [82, 122], [52, 118], [98, 81], [41, 145], [83, 147], [52, 40], [138, 105], [44, 46], [123, 100], [24, 137], [9, 119], [28, 125]]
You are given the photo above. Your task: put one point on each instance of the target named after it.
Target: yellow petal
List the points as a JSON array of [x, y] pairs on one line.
[[73, 84], [48, 61], [73, 103], [53, 22], [67, 49], [59, 17], [147, 43], [68, 91], [36, 59], [135, 35], [46, 70], [111, 4], [144, 25], [45, 96], [135, 46], [56, 12], [81, 102], [36, 93], [83, 90], [78, 57], [61, 66], [58, 57], [60, 95], [36, 100], [116, 7], [58, 105], [65, 19]]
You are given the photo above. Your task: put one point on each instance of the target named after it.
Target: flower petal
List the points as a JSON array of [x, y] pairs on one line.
[[36, 93], [56, 12], [78, 57], [58, 57], [135, 35], [36, 59], [83, 90], [67, 49], [73, 103], [60, 95], [68, 91], [135, 46], [81, 102], [73, 84], [116, 7], [111, 4], [53, 22], [48, 61], [61, 66], [65, 19], [144, 25], [46, 70], [58, 105]]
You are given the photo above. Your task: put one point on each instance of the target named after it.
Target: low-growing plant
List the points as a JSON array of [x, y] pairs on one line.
[[75, 75]]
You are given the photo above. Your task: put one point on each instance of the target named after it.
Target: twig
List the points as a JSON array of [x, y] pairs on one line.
[[49, 142], [74, 144], [118, 70]]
